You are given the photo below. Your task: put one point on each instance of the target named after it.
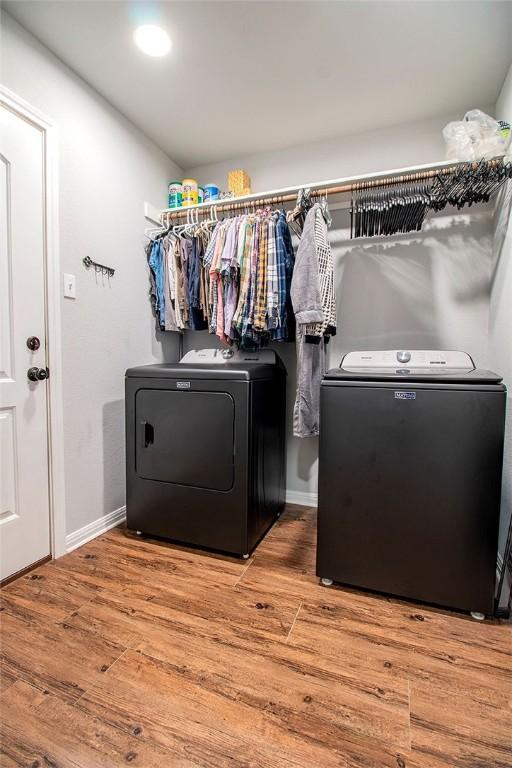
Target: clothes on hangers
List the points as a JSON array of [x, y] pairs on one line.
[[242, 282], [314, 302], [233, 280]]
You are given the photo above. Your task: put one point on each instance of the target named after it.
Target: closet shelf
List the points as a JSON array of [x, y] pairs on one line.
[[332, 187]]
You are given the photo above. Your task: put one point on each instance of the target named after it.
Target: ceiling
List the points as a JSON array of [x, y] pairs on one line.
[[246, 77]]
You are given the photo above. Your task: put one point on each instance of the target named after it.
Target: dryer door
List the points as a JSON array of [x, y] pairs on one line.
[[186, 438]]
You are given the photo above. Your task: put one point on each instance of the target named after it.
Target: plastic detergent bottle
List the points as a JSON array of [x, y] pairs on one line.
[[189, 192], [175, 194]]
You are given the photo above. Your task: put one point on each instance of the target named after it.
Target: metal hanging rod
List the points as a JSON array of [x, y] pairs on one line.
[[326, 188]]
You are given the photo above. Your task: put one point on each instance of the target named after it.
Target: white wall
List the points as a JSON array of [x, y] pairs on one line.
[[107, 170], [374, 150], [500, 324], [428, 290]]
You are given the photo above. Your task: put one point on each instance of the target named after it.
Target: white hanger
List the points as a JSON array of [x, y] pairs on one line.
[[150, 232]]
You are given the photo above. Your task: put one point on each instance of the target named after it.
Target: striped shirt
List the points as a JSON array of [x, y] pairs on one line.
[[260, 301]]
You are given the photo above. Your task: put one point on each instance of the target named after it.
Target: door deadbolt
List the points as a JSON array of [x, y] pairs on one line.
[[33, 343]]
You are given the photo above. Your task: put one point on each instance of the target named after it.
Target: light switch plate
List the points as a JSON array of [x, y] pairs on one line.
[[69, 286]]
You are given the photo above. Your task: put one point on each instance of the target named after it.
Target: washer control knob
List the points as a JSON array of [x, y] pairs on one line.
[[403, 356], [227, 353]]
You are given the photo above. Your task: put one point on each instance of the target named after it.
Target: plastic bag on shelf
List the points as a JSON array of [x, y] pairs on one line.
[[477, 136]]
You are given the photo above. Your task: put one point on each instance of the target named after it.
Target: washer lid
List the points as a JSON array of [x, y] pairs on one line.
[[411, 365]]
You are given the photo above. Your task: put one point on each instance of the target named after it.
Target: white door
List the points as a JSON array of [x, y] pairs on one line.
[[24, 485]]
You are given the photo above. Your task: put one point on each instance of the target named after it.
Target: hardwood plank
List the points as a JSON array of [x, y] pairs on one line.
[[218, 724], [295, 523], [448, 727], [292, 541], [223, 670], [124, 536], [278, 578], [409, 642], [6, 679], [49, 591], [220, 562], [41, 730], [7, 761], [55, 657], [297, 555], [116, 561], [417, 626], [227, 647], [130, 616], [313, 700]]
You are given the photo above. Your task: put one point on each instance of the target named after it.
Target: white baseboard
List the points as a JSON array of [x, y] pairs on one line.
[[305, 499], [103, 524], [96, 528]]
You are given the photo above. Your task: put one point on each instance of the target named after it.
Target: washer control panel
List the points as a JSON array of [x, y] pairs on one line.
[[424, 361]]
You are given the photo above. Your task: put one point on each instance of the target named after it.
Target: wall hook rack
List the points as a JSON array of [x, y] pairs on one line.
[[98, 267]]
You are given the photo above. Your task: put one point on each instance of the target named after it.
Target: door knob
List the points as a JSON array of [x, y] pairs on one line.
[[33, 343], [37, 374]]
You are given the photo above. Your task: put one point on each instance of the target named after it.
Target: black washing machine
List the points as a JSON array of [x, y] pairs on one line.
[[206, 449], [411, 452]]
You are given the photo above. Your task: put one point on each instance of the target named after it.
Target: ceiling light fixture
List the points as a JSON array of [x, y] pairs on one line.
[[152, 40]]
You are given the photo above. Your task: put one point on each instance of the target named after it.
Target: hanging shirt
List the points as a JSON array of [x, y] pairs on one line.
[[181, 298], [207, 262], [246, 321], [210, 248], [203, 301], [174, 266], [244, 256], [209, 288], [152, 277], [312, 294], [327, 325], [168, 259], [260, 300], [282, 265], [230, 275], [156, 264], [196, 319], [289, 319], [215, 282], [273, 319]]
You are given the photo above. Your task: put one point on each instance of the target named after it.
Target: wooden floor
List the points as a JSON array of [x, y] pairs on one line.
[[130, 651]]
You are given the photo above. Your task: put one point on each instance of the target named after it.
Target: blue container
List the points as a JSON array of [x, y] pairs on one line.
[[211, 192]]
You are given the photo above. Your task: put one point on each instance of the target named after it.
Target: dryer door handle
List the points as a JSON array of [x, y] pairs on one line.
[[148, 433]]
